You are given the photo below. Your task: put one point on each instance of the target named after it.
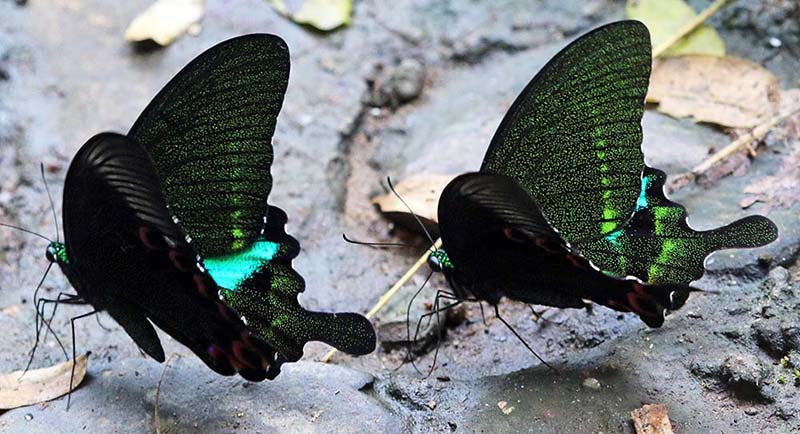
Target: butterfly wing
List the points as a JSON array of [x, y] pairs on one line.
[[267, 299], [573, 136], [573, 140], [127, 256], [658, 246], [501, 245], [209, 134]]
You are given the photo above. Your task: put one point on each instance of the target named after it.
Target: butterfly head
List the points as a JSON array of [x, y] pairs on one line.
[[57, 252], [439, 261]]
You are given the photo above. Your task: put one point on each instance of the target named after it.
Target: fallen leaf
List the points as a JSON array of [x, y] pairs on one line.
[[651, 419], [164, 21], [727, 91], [325, 15], [421, 193], [664, 18], [505, 408], [40, 385]]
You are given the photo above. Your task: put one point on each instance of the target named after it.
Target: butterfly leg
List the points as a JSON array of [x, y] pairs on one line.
[[41, 322], [538, 316], [440, 294], [497, 314], [97, 317], [74, 356], [67, 299], [409, 357]]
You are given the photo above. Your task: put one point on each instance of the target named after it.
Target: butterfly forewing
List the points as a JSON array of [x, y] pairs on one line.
[[573, 136], [209, 133]]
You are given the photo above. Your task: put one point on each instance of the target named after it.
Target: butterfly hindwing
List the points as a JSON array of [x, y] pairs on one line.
[[209, 134], [501, 245], [573, 136], [127, 256], [267, 299], [658, 246]]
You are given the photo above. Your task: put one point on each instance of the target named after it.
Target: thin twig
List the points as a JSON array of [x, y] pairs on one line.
[[689, 27], [393, 290], [742, 143], [157, 416]]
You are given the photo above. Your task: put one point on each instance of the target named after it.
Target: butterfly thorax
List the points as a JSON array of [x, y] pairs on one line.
[[439, 261], [57, 252]]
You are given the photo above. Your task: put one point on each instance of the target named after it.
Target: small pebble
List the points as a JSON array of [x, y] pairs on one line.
[[591, 383], [28, 417], [775, 42]]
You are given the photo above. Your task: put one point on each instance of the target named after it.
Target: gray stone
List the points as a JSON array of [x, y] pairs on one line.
[[745, 375]]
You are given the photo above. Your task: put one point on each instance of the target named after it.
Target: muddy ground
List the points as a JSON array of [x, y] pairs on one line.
[[66, 74]]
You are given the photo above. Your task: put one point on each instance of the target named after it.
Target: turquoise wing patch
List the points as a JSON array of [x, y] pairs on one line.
[[261, 286]]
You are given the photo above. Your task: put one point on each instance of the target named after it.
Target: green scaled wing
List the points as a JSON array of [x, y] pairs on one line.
[[209, 132], [573, 136], [573, 139], [266, 297], [658, 246]]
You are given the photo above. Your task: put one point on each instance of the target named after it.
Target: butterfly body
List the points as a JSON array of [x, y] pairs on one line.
[[565, 209], [169, 225]]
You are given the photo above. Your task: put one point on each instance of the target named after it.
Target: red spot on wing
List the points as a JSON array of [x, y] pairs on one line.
[[180, 261]]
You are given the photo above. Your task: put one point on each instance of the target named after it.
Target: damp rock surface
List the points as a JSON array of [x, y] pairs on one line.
[[724, 363]]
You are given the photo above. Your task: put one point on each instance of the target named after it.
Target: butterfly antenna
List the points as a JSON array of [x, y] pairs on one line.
[[50, 197], [372, 244], [497, 314], [27, 231], [409, 356], [419, 222]]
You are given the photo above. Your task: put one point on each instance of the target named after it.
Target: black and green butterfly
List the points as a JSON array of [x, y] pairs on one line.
[[564, 207], [170, 224]]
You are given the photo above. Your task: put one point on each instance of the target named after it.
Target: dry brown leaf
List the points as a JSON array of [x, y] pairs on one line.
[[421, 193], [40, 385], [727, 91], [164, 21], [652, 419]]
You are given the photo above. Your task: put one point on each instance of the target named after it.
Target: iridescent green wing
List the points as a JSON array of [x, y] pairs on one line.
[[658, 246], [261, 285], [573, 136], [209, 133]]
